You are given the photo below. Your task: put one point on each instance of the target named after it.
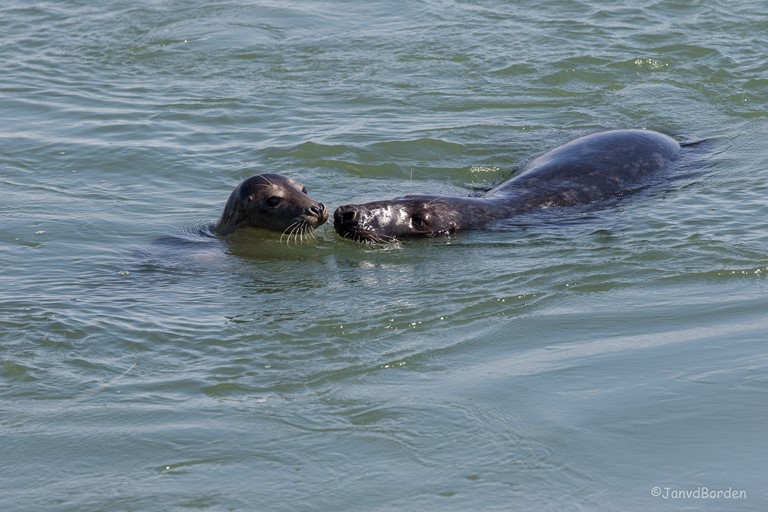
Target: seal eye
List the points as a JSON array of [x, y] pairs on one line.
[[273, 201], [304, 190], [418, 222]]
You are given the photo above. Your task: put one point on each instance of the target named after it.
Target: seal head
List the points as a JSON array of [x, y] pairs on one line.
[[406, 217], [274, 202]]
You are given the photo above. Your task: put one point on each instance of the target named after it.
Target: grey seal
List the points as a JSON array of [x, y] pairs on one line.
[[585, 170]]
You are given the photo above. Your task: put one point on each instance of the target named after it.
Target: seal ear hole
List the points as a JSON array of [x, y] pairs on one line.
[[273, 201]]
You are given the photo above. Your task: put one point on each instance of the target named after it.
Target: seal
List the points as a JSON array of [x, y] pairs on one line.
[[582, 171], [274, 202]]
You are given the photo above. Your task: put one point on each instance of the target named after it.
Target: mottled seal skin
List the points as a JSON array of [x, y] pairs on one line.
[[274, 202], [582, 171]]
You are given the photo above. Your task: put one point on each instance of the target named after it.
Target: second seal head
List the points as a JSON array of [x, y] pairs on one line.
[[274, 202]]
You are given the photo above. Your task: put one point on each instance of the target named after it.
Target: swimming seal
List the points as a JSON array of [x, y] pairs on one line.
[[274, 202], [584, 170]]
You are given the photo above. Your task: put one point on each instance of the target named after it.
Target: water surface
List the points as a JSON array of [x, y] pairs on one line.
[[583, 361]]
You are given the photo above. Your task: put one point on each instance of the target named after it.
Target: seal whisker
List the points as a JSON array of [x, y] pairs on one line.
[[309, 232], [303, 229], [307, 228], [288, 232], [283, 234], [298, 233]]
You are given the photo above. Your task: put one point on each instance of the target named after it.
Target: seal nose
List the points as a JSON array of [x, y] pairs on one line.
[[318, 210], [346, 216]]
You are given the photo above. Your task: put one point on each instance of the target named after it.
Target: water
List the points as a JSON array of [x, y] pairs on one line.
[[579, 362]]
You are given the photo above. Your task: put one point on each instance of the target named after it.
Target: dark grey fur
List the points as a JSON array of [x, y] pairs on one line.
[[584, 170]]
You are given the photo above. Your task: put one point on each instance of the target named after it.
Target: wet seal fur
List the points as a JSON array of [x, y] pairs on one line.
[[582, 171], [274, 202]]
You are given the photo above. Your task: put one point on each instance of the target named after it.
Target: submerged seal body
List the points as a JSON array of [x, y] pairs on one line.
[[584, 170], [274, 202]]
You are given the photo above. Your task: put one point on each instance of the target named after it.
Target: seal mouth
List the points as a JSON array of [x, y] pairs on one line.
[[303, 227]]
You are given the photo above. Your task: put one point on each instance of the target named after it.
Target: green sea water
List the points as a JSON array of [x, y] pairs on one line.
[[612, 358]]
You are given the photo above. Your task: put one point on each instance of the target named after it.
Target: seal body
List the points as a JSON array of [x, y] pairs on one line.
[[584, 170], [274, 202]]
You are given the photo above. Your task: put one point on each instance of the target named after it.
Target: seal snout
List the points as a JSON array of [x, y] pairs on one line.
[[347, 220], [354, 221], [346, 216]]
